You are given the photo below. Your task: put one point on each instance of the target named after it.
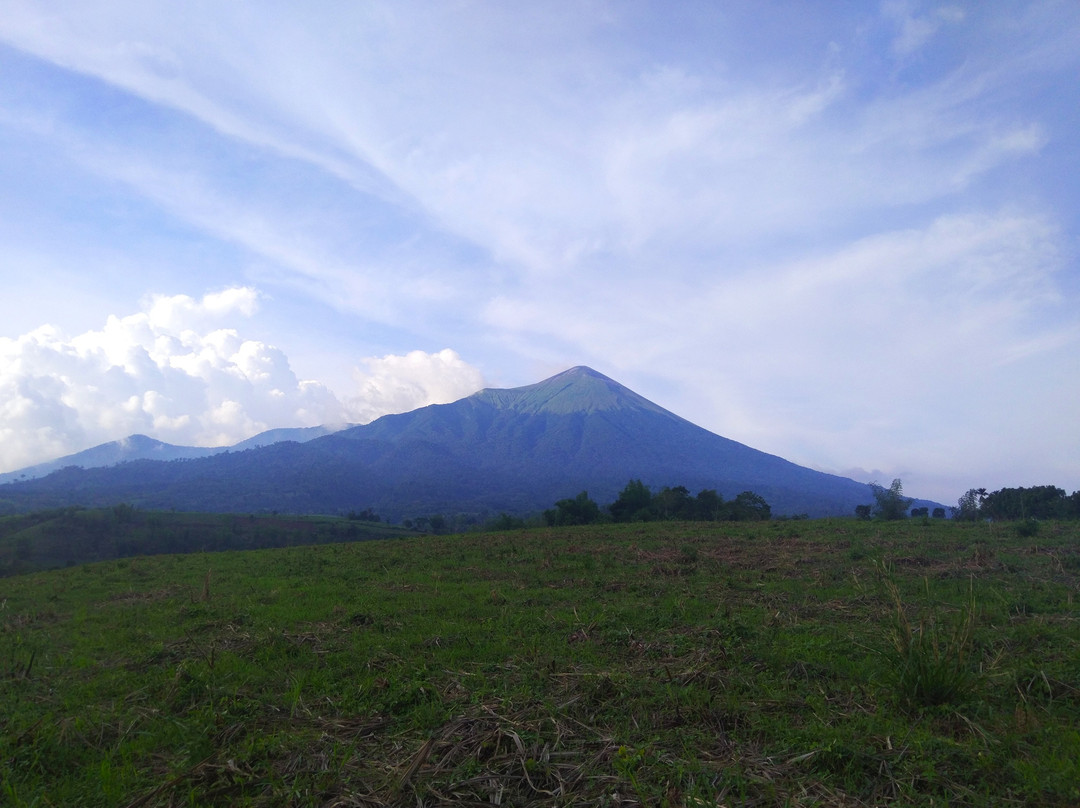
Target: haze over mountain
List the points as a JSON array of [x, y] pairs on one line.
[[514, 450]]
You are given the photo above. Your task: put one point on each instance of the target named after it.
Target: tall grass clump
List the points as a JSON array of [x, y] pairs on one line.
[[931, 656]]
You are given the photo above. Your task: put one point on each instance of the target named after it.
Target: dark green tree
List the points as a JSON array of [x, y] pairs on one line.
[[634, 503], [123, 513], [673, 503], [1072, 503], [750, 507], [709, 506], [580, 510], [506, 522], [1038, 502]]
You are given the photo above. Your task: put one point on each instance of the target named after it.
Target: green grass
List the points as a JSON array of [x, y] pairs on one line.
[[824, 663]]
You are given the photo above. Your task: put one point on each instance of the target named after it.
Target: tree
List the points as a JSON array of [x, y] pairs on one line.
[[1038, 502], [863, 512], [673, 503], [506, 522], [637, 504], [750, 507], [577, 511], [891, 502], [967, 507], [709, 506], [1072, 504], [633, 504], [123, 513]]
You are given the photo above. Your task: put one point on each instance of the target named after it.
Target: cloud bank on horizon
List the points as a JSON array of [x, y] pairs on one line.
[[168, 371], [845, 234]]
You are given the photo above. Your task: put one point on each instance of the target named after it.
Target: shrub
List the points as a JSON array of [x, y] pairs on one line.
[[1027, 528]]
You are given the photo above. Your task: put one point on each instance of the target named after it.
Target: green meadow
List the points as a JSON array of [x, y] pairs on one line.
[[799, 663]]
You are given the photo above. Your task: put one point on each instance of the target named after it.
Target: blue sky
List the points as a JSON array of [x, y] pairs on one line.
[[843, 233]]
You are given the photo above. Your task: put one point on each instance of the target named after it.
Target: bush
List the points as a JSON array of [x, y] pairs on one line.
[[1027, 528]]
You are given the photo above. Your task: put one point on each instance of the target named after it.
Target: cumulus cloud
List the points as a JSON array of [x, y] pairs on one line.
[[401, 383], [178, 372]]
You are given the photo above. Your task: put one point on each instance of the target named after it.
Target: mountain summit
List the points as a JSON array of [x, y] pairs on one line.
[[578, 390], [514, 450]]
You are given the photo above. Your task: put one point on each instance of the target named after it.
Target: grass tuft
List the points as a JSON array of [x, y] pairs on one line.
[[931, 655]]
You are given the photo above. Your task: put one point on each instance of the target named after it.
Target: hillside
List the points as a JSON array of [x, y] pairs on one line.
[[515, 450], [831, 663], [66, 537]]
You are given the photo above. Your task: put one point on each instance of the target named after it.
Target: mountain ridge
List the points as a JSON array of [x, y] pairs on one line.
[[514, 450], [143, 447]]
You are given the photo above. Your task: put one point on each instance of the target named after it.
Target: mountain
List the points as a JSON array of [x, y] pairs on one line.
[[514, 450], [134, 447], [300, 434], [141, 447]]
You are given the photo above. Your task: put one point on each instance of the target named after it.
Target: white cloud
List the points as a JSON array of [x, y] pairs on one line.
[[173, 372], [401, 383]]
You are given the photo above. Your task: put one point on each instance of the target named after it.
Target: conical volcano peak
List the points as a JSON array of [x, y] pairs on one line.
[[577, 390], [516, 450]]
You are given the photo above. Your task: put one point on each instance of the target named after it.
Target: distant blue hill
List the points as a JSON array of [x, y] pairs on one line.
[[141, 447], [135, 447], [515, 451]]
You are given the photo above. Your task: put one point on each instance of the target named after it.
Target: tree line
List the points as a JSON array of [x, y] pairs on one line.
[[637, 503], [1007, 504]]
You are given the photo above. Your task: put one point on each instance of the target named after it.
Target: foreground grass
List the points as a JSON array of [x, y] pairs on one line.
[[783, 663]]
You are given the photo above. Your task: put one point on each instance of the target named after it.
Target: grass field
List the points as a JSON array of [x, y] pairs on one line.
[[831, 663]]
